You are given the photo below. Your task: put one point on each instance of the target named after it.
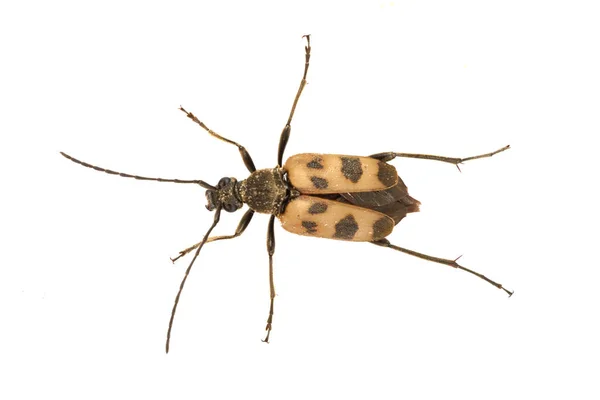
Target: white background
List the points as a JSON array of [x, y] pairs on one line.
[[86, 284]]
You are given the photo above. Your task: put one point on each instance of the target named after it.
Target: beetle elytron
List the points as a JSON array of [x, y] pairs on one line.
[[321, 195]]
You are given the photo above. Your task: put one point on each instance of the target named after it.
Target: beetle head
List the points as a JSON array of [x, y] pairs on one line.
[[224, 195]]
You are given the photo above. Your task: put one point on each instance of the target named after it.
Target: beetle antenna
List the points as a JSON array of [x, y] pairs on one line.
[[141, 178], [187, 272]]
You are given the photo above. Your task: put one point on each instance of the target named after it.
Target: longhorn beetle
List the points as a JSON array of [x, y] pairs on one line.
[[333, 196]]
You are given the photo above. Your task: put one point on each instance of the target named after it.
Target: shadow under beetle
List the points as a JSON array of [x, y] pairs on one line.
[[331, 196]]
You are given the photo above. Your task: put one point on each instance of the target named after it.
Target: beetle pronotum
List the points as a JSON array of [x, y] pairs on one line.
[[342, 197]]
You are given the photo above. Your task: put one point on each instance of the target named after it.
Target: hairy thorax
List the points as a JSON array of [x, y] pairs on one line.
[[265, 191]]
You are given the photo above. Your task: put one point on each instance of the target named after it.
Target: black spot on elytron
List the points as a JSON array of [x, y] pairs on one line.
[[319, 183], [346, 228], [315, 163], [352, 168], [317, 208], [382, 227], [310, 226], [387, 174]]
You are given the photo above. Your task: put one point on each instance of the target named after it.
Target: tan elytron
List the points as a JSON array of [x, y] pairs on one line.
[[314, 216], [335, 173]]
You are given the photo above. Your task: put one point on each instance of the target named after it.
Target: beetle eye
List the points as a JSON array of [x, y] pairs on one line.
[[229, 207], [223, 182]]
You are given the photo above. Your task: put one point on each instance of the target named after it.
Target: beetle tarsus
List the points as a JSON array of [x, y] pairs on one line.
[[389, 156], [268, 329], [285, 134], [181, 254], [243, 152], [271, 251], [450, 263], [242, 225]]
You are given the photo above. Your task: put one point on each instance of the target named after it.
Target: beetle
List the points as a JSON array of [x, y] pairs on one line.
[[342, 197]]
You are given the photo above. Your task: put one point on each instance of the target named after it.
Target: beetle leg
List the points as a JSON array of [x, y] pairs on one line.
[[271, 251], [242, 225], [243, 152], [389, 156], [285, 134], [451, 263]]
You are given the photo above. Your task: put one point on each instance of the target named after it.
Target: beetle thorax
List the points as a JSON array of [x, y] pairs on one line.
[[265, 191]]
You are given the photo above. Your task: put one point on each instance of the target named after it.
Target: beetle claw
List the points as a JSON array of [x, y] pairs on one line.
[[268, 329]]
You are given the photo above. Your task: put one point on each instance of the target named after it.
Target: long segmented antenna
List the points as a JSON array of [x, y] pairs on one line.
[[187, 272], [141, 178]]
